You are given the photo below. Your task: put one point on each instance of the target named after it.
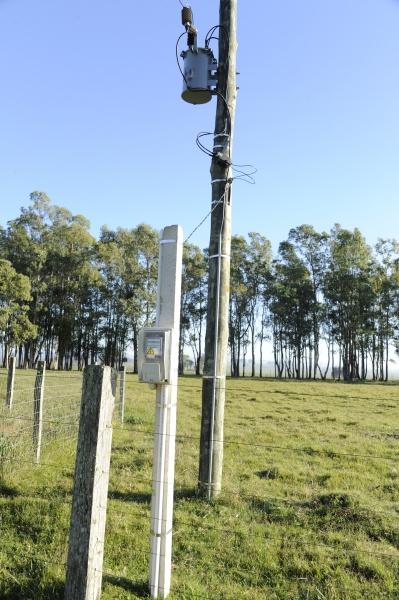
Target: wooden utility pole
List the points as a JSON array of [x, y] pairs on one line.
[[213, 386]]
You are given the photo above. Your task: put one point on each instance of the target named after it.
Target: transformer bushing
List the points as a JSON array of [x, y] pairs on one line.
[[200, 75]]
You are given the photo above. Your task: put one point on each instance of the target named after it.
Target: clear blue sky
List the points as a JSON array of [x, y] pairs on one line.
[[91, 113]]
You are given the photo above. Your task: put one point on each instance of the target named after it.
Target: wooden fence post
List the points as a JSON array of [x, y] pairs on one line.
[[90, 490], [10, 381], [122, 384], [38, 395]]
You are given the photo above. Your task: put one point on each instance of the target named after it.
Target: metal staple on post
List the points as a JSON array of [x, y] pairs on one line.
[[10, 381], [38, 396]]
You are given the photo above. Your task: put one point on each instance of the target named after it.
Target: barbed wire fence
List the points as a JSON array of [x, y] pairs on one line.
[[127, 556], [39, 424], [59, 411]]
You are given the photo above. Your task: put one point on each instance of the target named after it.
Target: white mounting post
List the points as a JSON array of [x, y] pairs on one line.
[[163, 472], [10, 381]]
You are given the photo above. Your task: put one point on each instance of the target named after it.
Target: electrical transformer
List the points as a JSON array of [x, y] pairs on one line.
[[200, 75]]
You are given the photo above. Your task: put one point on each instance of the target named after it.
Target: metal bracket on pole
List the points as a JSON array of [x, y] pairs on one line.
[[219, 256], [168, 316], [219, 181]]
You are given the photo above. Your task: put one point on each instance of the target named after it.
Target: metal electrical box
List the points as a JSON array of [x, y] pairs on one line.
[[154, 355], [200, 74]]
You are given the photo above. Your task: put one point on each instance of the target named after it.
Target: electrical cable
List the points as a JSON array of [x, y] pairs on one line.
[[177, 57], [204, 219], [247, 177], [203, 148], [220, 95], [210, 34]]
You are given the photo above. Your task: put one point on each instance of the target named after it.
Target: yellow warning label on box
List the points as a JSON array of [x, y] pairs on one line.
[[150, 352]]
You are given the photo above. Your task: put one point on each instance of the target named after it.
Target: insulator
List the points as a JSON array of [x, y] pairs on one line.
[[186, 15]]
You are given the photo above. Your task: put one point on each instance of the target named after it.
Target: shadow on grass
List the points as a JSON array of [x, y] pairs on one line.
[[137, 497], [54, 493], [145, 497], [187, 494], [53, 591], [139, 588], [7, 491]]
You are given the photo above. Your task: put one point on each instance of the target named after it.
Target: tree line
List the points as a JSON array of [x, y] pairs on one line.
[[326, 304]]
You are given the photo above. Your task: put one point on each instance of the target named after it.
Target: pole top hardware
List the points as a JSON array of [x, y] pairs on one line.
[[200, 65]]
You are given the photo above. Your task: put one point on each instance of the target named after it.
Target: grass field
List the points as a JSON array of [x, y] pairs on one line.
[[309, 508]]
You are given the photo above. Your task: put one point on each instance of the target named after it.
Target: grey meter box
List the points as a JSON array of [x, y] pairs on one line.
[[154, 355]]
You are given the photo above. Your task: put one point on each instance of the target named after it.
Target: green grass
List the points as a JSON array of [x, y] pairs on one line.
[[309, 508]]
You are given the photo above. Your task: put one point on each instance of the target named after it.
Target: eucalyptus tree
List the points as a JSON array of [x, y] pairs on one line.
[[250, 269], [15, 294], [23, 244], [143, 278], [240, 302], [54, 249], [78, 300], [70, 276], [193, 304], [312, 248], [113, 323], [291, 310], [350, 298], [128, 265], [258, 271], [385, 281]]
